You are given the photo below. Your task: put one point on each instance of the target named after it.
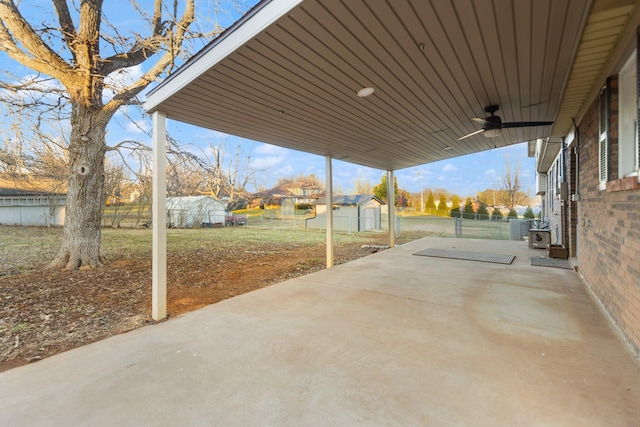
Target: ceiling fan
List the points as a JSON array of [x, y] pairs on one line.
[[492, 126]]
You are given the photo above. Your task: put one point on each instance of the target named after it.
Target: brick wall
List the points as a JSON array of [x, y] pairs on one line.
[[608, 234]]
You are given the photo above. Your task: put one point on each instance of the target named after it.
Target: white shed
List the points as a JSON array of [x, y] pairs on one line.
[[18, 207], [358, 212], [194, 211]]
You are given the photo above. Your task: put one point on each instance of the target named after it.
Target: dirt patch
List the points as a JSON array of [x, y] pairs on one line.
[[47, 312]]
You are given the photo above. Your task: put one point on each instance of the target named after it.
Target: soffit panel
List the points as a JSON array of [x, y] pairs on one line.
[[434, 65]]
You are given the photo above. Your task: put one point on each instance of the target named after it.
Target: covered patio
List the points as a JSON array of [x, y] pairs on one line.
[[393, 338], [390, 85], [422, 341]]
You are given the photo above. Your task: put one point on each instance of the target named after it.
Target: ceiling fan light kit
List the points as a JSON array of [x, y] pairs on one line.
[[492, 133]]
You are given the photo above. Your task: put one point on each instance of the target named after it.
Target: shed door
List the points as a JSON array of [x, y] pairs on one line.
[[370, 219]]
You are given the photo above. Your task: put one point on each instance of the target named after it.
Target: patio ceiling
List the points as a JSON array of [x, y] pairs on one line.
[[288, 73]]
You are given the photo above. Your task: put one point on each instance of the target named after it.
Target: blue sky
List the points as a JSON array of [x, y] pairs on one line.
[[464, 176]]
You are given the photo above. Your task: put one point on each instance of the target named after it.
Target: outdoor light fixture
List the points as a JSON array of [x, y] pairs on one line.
[[447, 148], [365, 91]]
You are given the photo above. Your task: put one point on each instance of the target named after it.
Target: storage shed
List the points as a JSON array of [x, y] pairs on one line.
[[358, 212], [193, 211], [31, 208], [281, 206]]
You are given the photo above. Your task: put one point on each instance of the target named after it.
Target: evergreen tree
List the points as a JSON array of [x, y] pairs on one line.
[[512, 214], [442, 205], [431, 203], [529, 213], [469, 213], [497, 215], [455, 202], [455, 212], [483, 213]]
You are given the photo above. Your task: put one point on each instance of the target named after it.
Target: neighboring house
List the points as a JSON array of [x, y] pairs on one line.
[[24, 207], [359, 212], [306, 193], [299, 192], [590, 186], [193, 211], [258, 200]]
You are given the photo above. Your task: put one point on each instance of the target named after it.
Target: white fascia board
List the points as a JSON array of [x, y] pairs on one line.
[[266, 16]]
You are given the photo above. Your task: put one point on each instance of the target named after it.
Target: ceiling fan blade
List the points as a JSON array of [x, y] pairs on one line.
[[471, 134], [525, 124], [479, 120]]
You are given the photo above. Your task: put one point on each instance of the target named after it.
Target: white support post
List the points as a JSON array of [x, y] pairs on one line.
[[329, 197], [159, 218], [391, 197]]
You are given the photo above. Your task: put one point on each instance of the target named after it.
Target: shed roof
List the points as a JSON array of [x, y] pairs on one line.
[[349, 200], [12, 192], [188, 201]]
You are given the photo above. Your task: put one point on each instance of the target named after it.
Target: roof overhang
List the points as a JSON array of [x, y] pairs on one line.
[[288, 74]]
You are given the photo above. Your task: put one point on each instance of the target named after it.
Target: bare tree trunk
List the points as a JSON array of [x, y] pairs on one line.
[[81, 244]]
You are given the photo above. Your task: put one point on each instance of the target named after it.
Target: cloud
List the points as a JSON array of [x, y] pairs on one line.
[[449, 168], [120, 79], [267, 162], [139, 126], [490, 175], [272, 150]]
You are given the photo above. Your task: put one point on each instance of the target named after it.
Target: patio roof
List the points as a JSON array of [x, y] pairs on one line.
[[288, 73]]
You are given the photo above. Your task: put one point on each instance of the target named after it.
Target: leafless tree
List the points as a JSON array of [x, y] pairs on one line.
[[227, 172], [80, 61], [288, 181], [511, 193], [363, 187]]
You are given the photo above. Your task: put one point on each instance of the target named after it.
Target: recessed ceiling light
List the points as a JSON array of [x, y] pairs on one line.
[[448, 147], [365, 91]]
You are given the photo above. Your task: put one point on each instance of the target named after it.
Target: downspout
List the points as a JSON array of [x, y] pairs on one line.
[[576, 196], [567, 197]]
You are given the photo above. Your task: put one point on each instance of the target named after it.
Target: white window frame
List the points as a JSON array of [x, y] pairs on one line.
[[628, 118]]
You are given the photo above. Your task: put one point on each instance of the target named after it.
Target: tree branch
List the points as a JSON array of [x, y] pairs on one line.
[[164, 62], [38, 55], [141, 50], [66, 25]]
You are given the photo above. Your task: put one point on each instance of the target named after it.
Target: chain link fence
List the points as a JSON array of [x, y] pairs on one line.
[[408, 224]]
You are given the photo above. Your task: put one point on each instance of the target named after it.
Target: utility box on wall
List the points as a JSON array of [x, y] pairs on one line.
[[539, 239]]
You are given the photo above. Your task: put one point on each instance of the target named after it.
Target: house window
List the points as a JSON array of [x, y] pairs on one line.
[[628, 118]]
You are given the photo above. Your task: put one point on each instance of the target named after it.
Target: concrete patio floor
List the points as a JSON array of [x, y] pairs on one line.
[[390, 339]]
